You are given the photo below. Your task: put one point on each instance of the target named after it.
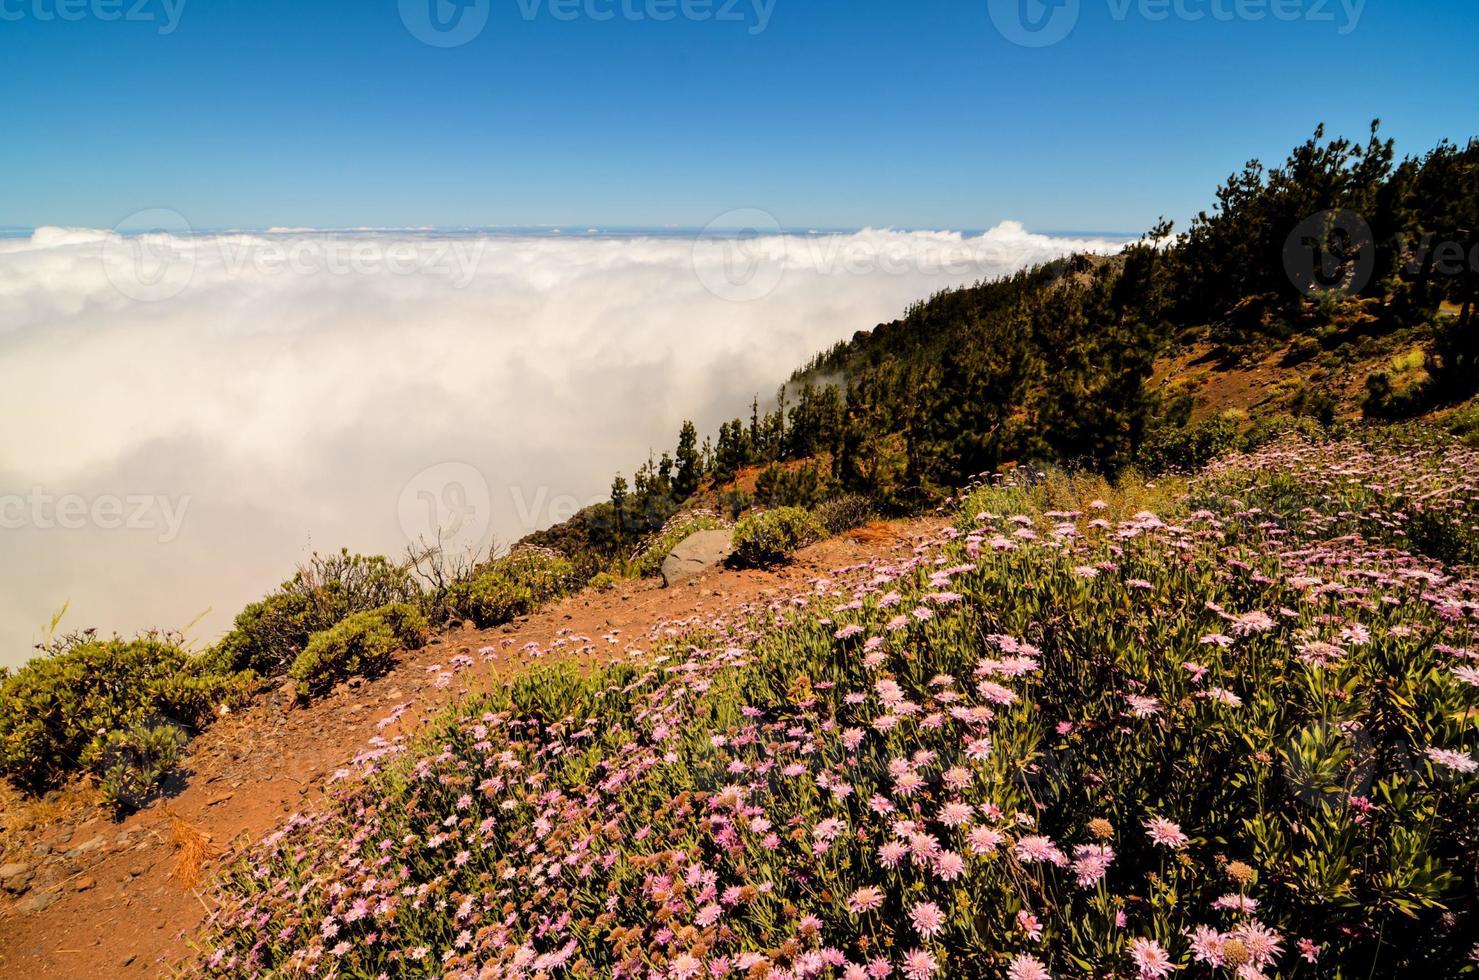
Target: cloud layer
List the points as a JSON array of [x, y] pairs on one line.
[[182, 419]]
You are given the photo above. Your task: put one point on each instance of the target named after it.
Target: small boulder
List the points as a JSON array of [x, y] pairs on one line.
[[15, 877], [36, 902], [698, 551], [95, 844]]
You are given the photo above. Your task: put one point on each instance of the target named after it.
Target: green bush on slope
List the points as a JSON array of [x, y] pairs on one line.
[[133, 764], [363, 644], [268, 635], [511, 586], [56, 712], [772, 536]]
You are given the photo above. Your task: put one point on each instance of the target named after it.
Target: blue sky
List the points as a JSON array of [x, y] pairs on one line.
[[838, 113]]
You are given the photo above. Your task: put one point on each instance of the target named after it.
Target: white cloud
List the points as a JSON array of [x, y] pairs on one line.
[[291, 385]]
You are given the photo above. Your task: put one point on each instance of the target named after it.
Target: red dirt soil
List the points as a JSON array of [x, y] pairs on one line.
[[105, 899]]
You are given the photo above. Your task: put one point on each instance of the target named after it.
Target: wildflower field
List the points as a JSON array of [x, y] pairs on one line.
[[1221, 726]]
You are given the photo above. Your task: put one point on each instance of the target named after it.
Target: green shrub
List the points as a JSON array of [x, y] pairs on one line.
[[772, 536], [512, 586], [1464, 423], [133, 764], [650, 557], [1316, 404], [1189, 447], [602, 581], [845, 513], [1385, 401], [268, 635], [55, 711], [1269, 428], [363, 644]]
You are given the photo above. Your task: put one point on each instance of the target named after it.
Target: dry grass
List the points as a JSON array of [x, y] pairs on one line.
[[872, 533], [192, 846]]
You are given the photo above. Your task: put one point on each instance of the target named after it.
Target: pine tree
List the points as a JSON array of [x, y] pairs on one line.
[[689, 469]]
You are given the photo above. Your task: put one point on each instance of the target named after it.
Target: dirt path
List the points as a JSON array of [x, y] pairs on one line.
[[101, 899]]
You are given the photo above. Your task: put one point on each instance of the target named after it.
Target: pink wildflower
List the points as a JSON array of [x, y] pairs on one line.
[[1452, 759], [1030, 925], [927, 918], [1036, 849], [919, 965], [1091, 862], [983, 840], [1024, 967], [1164, 833], [1152, 961], [864, 900], [948, 865], [1142, 706]]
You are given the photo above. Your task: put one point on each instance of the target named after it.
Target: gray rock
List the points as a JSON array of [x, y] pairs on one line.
[[15, 877], [698, 551], [37, 902], [95, 844]]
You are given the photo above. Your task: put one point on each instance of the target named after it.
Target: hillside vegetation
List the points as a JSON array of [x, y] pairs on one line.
[[1338, 285], [1187, 683], [1224, 725]]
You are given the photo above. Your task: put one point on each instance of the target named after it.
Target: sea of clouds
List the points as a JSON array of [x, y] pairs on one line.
[[183, 418]]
